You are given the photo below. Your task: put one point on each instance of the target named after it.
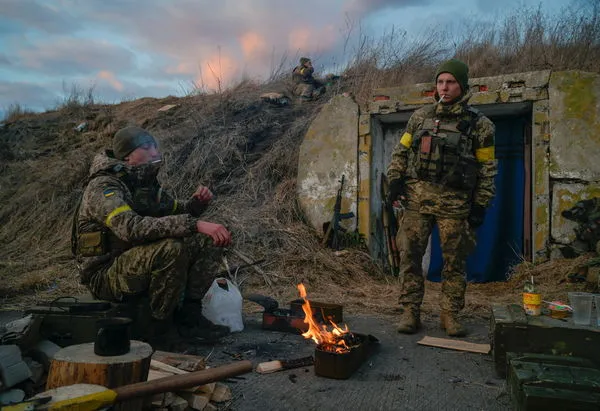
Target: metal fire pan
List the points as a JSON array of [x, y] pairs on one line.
[[342, 365]]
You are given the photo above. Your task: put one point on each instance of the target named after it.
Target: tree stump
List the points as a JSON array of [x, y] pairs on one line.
[[78, 364]]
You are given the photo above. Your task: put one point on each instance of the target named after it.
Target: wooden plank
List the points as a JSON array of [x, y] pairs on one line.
[[455, 344]]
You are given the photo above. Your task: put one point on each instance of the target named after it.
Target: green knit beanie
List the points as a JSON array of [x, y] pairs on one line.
[[304, 60], [458, 69], [128, 139]]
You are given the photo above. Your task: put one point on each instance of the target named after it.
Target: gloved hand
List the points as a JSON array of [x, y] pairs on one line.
[[397, 190], [476, 216]]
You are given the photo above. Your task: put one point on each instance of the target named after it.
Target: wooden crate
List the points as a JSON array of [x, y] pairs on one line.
[[548, 382], [511, 330]]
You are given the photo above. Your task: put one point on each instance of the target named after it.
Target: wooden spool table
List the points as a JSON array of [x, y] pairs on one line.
[[79, 364]]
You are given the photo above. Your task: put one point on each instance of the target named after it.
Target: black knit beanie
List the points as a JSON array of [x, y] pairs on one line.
[[458, 69], [128, 139]]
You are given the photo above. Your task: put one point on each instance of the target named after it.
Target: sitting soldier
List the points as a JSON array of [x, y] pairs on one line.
[[307, 87], [132, 239]]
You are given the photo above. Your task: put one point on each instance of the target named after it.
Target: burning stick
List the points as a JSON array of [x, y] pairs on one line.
[[278, 365]]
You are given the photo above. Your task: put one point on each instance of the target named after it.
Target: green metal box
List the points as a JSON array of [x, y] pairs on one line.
[[548, 382], [511, 330]]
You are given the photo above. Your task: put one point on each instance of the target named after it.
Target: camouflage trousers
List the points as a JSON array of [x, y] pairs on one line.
[[309, 90], [457, 241], [167, 271]]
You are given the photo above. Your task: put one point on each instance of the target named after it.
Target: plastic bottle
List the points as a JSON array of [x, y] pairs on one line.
[[532, 300]]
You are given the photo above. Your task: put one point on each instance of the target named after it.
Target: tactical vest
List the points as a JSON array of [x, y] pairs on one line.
[[147, 201], [442, 152]]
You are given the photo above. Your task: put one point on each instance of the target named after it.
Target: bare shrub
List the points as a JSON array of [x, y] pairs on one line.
[[15, 112]]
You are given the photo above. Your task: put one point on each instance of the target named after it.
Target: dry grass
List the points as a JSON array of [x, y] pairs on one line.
[[246, 151], [527, 39]]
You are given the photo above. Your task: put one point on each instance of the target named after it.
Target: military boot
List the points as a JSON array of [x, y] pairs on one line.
[[410, 321], [450, 323]]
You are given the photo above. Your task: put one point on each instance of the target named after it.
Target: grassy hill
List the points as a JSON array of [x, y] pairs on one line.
[[246, 150]]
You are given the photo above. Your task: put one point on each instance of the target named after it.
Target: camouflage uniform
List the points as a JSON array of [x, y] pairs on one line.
[[307, 86], [131, 238], [430, 202]]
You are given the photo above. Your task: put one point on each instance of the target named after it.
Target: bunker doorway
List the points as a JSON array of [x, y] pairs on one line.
[[504, 239]]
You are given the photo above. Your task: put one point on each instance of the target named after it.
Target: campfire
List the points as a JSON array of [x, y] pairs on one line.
[[339, 352], [331, 339]]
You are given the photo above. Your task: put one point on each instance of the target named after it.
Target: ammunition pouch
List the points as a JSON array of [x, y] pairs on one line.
[[92, 244], [444, 159]]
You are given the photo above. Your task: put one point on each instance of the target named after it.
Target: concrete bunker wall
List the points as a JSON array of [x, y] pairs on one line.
[[564, 108]]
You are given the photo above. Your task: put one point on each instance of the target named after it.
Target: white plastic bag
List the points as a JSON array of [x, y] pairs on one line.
[[222, 304]]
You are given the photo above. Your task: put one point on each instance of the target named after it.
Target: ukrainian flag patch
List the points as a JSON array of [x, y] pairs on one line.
[[109, 193]]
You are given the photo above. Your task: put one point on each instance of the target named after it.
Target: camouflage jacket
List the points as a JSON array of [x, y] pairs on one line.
[[117, 213], [303, 74], [431, 198]]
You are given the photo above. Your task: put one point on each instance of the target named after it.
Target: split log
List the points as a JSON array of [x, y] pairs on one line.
[[185, 362], [79, 364], [161, 366], [158, 366], [196, 401], [221, 393]]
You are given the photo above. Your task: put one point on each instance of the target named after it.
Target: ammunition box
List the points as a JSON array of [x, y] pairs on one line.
[[66, 322], [549, 382], [512, 331]]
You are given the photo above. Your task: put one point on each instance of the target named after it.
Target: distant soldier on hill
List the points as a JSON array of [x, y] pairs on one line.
[[307, 87], [131, 238], [443, 169]]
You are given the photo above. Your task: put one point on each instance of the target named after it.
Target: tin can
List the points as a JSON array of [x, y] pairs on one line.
[[532, 303]]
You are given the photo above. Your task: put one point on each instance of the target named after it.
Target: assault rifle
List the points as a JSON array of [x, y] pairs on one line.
[[333, 230], [389, 219]]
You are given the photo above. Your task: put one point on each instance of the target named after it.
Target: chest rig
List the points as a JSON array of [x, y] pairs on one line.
[[147, 200], [442, 152]]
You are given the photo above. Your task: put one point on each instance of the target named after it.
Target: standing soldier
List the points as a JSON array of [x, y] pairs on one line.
[[443, 168], [307, 86], [128, 234]]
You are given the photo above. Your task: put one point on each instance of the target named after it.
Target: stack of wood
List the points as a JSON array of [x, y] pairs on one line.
[[202, 398]]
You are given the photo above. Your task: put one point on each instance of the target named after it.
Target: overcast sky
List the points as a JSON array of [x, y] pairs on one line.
[[130, 49]]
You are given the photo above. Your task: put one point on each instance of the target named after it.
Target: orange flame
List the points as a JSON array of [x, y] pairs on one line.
[[318, 332]]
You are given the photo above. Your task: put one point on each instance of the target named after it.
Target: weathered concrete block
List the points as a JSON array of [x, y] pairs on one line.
[[564, 196], [11, 396], [15, 373], [575, 125], [9, 354], [43, 352], [328, 152], [37, 369]]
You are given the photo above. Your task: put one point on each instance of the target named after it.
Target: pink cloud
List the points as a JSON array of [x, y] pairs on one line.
[[253, 44], [111, 79], [217, 71]]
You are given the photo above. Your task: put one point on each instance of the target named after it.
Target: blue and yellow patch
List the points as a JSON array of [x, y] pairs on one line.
[[109, 192]]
